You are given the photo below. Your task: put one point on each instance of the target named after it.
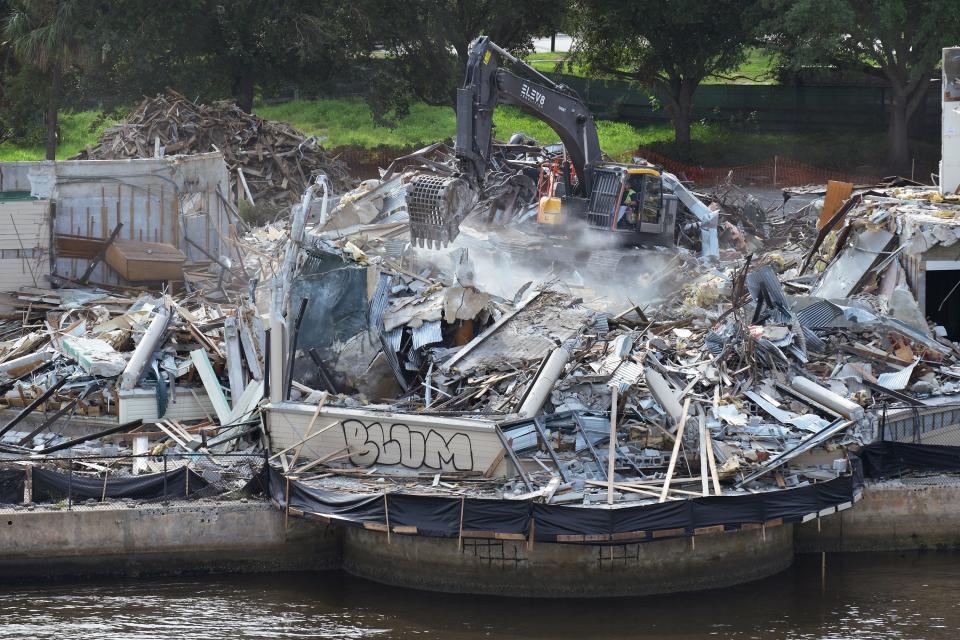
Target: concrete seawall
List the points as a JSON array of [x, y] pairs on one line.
[[233, 537], [893, 515], [508, 567], [179, 538]]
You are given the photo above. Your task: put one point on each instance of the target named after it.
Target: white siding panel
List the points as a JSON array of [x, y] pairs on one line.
[[382, 439], [142, 403]]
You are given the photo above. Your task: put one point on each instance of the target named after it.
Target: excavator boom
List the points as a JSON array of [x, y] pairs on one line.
[[437, 204]]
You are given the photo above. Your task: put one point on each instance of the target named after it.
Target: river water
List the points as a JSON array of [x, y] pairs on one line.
[[862, 596]]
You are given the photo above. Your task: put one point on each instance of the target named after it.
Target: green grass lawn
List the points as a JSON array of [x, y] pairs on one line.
[[76, 130], [349, 122], [756, 69]]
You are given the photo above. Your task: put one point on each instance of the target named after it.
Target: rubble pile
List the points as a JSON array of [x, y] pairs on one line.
[[514, 364], [753, 373], [269, 162], [155, 364]]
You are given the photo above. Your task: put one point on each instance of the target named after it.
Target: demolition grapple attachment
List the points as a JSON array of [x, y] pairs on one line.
[[436, 205]]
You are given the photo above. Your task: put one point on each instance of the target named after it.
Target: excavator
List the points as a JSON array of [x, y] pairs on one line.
[[636, 201]]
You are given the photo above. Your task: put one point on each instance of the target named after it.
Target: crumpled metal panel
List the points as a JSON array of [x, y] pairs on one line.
[[427, 333], [714, 343], [378, 306]]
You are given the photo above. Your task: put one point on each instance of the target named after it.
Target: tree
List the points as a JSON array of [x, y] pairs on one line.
[[51, 35], [670, 45], [897, 40], [213, 49], [426, 42]]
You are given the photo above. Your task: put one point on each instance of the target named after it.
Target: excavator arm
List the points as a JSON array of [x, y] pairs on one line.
[[437, 204]]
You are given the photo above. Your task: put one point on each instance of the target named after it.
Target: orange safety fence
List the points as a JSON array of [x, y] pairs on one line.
[[776, 171]]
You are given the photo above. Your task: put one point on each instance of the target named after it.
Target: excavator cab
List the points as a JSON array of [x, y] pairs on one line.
[[630, 199]]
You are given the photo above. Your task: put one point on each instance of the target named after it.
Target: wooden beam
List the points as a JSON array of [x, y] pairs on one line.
[[301, 442], [612, 445]]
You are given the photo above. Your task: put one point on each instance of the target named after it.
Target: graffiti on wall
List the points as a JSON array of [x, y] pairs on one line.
[[411, 447]]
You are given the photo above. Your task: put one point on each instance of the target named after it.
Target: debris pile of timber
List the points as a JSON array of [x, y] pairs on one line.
[[269, 162]]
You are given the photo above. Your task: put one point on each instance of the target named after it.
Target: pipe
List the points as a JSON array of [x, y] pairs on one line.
[[543, 385], [145, 348], [297, 228], [276, 359], [822, 395]]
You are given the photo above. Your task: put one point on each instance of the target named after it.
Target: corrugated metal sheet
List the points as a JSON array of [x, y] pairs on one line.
[[627, 374], [379, 302], [394, 247], [395, 201], [819, 314], [897, 380], [814, 342], [602, 323], [427, 333], [765, 280], [394, 337]]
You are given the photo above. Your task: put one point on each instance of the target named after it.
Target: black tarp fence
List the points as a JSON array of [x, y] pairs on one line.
[[11, 485], [451, 517], [889, 459], [54, 486]]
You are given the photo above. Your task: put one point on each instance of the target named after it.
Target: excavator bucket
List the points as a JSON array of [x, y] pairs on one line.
[[436, 205]]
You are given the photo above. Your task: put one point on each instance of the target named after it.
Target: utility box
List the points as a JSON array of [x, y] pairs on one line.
[[146, 261]]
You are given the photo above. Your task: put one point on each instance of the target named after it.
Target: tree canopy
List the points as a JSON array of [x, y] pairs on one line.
[[897, 40], [672, 45]]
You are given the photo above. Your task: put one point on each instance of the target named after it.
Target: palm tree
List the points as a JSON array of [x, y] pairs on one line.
[[48, 34]]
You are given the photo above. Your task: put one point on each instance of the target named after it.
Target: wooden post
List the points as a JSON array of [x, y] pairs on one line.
[[386, 514], [704, 466], [533, 532], [286, 503], [463, 503], [28, 485], [676, 450], [612, 448], [713, 464]]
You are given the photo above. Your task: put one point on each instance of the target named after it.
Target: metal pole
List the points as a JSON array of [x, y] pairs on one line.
[[70, 485], [164, 477]]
